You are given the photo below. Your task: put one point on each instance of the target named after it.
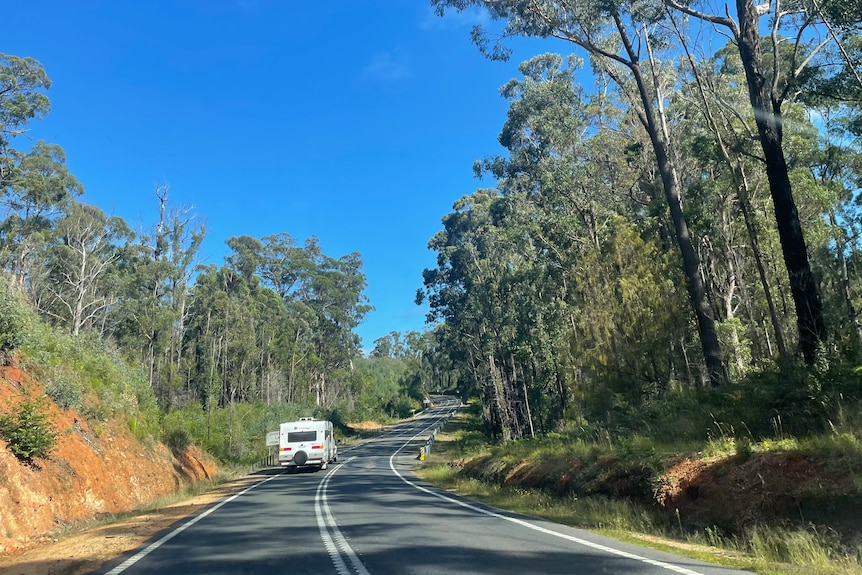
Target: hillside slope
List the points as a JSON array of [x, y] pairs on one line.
[[96, 468]]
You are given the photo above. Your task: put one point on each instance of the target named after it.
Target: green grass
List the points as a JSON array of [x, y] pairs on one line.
[[762, 550]]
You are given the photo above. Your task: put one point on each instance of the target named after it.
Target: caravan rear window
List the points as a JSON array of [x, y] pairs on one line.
[[299, 436]]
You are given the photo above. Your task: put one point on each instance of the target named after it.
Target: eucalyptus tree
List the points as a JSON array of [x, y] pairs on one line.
[[339, 305], [471, 290], [23, 83], [276, 322], [153, 295], [620, 39], [720, 140], [80, 257], [796, 38], [565, 192], [511, 279], [30, 203], [185, 235], [325, 301], [39, 187], [834, 178], [287, 268], [228, 326], [252, 310], [378, 387], [386, 346]]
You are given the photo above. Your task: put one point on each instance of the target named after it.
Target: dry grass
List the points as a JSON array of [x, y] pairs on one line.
[[764, 550]]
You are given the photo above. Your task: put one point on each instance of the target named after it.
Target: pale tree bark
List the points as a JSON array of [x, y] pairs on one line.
[[83, 260]]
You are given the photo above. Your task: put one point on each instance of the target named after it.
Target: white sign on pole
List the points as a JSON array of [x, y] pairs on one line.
[[271, 438]]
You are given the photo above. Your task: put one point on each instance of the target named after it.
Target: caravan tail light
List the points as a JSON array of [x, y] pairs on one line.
[[317, 446], [286, 448]]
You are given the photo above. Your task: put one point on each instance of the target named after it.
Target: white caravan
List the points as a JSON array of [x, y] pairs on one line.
[[306, 442]]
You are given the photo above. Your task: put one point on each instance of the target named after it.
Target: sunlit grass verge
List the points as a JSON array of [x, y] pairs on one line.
[[219, 481], [797, 551], [618, 519], [222, 477], [762, 550]]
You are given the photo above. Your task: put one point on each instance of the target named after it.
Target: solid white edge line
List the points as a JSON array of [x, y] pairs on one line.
[[155, 545], [522, 523]]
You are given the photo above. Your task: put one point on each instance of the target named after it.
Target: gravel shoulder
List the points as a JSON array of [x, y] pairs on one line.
[[84, 550]]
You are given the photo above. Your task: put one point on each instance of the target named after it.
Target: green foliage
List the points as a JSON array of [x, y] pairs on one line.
[[22, 83], [13, 321], [83, 372], [177, 440], [637, 452], [66, 389], [234, 434], [27, 429], [794, 402]]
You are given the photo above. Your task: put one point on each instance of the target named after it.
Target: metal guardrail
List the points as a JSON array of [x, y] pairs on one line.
[[425, 450]]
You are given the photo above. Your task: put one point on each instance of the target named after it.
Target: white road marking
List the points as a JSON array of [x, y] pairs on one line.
[[522, 523], [324, 517], [155, 545], [326, 523]]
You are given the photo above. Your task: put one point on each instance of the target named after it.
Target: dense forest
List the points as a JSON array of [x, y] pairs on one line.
[[272, 325], [657, 285], [676, 240]]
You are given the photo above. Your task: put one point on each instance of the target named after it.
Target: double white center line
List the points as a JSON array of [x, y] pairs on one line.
[[334, 541]]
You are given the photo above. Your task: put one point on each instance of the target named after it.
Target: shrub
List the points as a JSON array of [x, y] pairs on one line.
[[177, 440], [65, 389], [13, 323], [28, 430]]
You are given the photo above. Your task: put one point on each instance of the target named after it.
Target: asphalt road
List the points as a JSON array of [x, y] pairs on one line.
[[367, 514]]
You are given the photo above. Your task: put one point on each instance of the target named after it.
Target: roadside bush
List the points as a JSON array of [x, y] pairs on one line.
[[28, 430], [86, 373], [177, 440], [13, 323], [65, 389]]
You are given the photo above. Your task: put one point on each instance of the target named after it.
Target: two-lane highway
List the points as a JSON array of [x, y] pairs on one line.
[[369, 515]]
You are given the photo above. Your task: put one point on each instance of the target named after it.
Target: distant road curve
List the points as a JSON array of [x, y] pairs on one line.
[[369, 515]]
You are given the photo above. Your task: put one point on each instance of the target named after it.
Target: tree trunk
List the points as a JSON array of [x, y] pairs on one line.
[[709, 342], [745, 206], [740, 181], [498, 391], [767, 116]]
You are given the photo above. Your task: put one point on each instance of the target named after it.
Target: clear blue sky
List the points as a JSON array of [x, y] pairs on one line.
[[356, 121]]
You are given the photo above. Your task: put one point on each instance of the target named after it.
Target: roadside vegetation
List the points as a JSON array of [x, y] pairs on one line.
[[131, 325], [84, 373], [655, 304], [640, 489]]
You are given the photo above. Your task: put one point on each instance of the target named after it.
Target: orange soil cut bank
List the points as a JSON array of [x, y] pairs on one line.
[[89, 472]]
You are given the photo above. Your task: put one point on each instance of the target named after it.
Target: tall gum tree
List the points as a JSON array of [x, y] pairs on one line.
[[23, 82], [769, 85], [40, 188], [615, 35]]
